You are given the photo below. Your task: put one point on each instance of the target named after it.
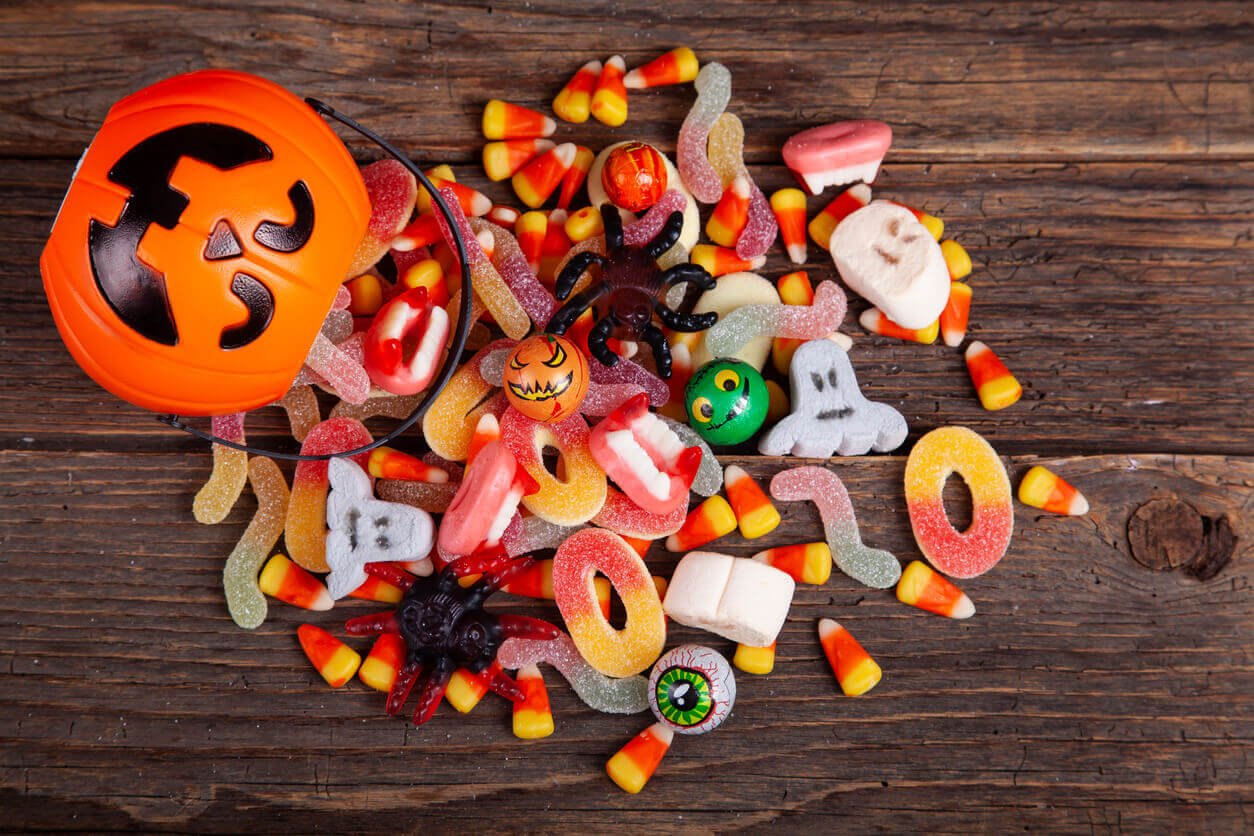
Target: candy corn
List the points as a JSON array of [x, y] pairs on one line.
[[754, 512], [1048, 491], [530, 232], [953, 319], [855, 670], [574, 101], [378, 590], [794, 289], [759, 660], [502, 120], [487, 430], [632, 766], [381, 665], [675, 67], [584, 223], [994, 383], [473, 202], [443, 171], [536, 581], [334, 660], [805, 562], [956, 259], [541, 177], [428, 273], [283, 579], [424, 231], [365, 295], [609, 100], [506, 216], [777, 403], [848, 202], [789, 206], [556, 245], [873, 320], [532, 717], [731, 214], [505, 158], [719, 261], [386, 463], [923, 587], [466, 689], [708, 521], [639, 545], [575, 176], [934, 224]]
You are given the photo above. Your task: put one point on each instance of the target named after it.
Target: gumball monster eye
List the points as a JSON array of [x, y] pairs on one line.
[[702, 410], [727, 380], [692, 689]]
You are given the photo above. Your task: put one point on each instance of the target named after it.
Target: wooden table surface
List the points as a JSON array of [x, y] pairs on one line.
[[1096, 160]]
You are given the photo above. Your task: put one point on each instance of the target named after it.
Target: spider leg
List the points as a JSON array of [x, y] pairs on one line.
[[613, 223], [575, 305], [372, 625], [402, 685], [503, 684], [523, 627], [677, 321], [694, 273], [495, 577], [567, 279], [479, 562], [597, 337], [433, 691], [661, 349], [667, 236], [391, 573]]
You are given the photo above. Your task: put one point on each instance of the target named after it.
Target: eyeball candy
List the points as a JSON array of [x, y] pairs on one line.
[[306, 532], [734, 597], [935, 456], [239, 575], [839, 153], [713, 84], [577, 496], [612, 652], [634, 176], [644, 457], [692, 689], [889, 258], [485, 502], [823, 315], [546, 377], [736, 290], [726, 401], [875, 568], [923, 587], [855, 670], [366, 530], [609, 695], [405, 343], [829, 412], [675, 67], [1044, 489], [230, 470]]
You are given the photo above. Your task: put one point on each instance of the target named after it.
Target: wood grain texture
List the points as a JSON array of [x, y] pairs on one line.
[[1097, 162]]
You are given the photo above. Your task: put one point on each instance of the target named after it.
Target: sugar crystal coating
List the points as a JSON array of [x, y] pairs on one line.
[[803, 322], [709, 479], [239, 575], [306, 530], [713, 87], [230, 470], [579, 495], [301, 405], [607, 694]]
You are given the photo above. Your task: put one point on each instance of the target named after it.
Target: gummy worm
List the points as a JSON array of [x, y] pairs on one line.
[[239, 576], [800, 322]]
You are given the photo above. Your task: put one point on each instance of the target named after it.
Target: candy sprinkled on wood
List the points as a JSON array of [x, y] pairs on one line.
[[953, 319], [283, 579], [994, 383], [574, 102], [675, 67], [502, 120], [705, 523], [335, 661], [755, 660], [923, 587], [609, 101], [380, 667], [532, 717], [855, 670], [1044, 489], [754, 512], [632, 766]]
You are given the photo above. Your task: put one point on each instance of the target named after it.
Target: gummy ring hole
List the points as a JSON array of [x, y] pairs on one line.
[[959, 507], [618, 612], [554, 462]]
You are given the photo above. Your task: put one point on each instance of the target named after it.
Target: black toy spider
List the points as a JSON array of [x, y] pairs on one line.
[[632, 279], [445, 628]]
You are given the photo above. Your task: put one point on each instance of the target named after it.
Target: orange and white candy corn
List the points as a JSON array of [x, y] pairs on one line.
[[386, 463], [609, 100], [953, 318], [428, 273], [874, 320], [708, 521], [505, 158], [789, 206], [804, 562], [757, 660], [719, 261], [754, 512], [502, 120], [1044, 489], [641, 547], [383, 662], [365, 295], [574, 102], [731, 214], [675, 67], [532, 717], [923, 587], [584, 223], [556, 245], [846, 203], [466, 689], [855, 670], [473, 202], [503, 216], [934, 224], [794, 289], [956, 259], [283, 579], [541, 177], [632, 766], [335, 661], [375, 589], [994, 383], [422, 232], [575, 175], [531, 229]]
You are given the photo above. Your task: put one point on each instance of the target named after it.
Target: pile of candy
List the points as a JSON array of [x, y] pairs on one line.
[[586, 342]]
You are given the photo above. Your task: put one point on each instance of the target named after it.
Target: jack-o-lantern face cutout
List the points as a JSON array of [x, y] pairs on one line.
[[201, 243], [546, 377]]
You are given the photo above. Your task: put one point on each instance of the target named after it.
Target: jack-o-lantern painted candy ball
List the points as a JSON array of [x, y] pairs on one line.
[[634, 176], [546, 377]]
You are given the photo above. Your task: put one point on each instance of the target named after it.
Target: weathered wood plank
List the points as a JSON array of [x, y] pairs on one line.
[[1087, 689], [1118, 80], [1119, 294]]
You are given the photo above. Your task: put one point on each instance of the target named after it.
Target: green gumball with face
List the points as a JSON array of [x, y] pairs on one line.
[[726, 401]]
